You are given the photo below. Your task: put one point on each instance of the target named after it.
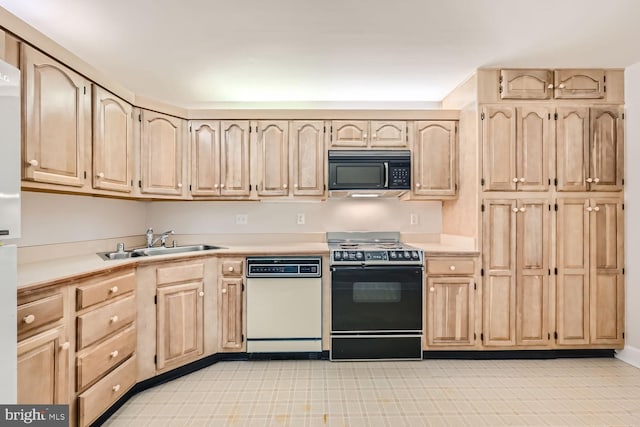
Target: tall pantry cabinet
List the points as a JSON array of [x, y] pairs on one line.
[[551, 202]]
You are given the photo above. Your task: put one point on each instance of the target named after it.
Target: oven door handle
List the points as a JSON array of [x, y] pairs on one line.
[[376, 267]]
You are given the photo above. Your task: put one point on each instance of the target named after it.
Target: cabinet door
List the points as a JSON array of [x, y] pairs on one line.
[[450, 311], [231, 315], [43, 366], [534, 135], [526, 84], [532, 272], [57, 126], [273, 158], [162, 144], [499, 292], [499, 152], [572, 148], [112, 142], [234, 158], [572, 283], [388, 134], [606, 280], [179, 324], [579, 84], [606, 168], [205, 157], [349, 133], [435, 159], [308, 158]]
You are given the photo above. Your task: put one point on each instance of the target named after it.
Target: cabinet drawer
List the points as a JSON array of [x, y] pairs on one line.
[[40, 312], [101, 322], [232, 267], [104, 289], [179, 273], [455, 266], [93, 402], [105, 356]]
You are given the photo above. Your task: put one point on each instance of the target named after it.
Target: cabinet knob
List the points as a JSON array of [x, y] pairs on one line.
[[113, 319], [589, 208], [221, 185], [561, 86], [515, 180], [295, 185], [113, 289], [375, 136], [33, 163], [179, 185], [597, 208], [114, 354], [201, 293], [589, 179], [452, 267], [215, 185], [418, 184], [224, 290], [515, 209], [284, 186], [550, 86], [116, 388], [231, 268], [100, 175], [432, 289], [596, 180], [521, 179], [364, 136], [29, 319], [65, 346], [522, 209]]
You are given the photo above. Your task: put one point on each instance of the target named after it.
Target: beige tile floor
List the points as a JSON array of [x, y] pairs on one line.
[[561, 392]]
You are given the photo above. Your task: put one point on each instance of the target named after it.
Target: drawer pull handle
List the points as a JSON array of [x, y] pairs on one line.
[[65, 346], [452, 268], [114, 354], [113, 319], [201, 293], [116, 388], [29, 319], [224, 290], [113, 289]]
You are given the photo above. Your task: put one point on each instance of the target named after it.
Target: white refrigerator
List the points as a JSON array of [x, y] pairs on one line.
[[9, 226]]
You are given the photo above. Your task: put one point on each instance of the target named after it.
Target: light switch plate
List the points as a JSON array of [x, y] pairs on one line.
[[300, 219], [413, 219]]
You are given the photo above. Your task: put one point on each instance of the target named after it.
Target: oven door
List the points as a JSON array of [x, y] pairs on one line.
[[376, 299]]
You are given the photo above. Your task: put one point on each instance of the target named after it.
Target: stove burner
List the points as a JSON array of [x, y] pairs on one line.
[[349, 245], [390, 246]]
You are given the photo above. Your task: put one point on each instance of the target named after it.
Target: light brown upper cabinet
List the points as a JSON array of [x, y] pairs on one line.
[[308, 157], [162, 143], [272, 158], [516, 263], [112, 142], [547, 84], [517, 145], [57, 121], [205, 157], [590, 148], [590, 283], [368, 134], [234, 159], [435, 160]]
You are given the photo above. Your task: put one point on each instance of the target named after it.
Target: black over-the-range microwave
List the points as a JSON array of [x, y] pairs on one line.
[[369, 169]]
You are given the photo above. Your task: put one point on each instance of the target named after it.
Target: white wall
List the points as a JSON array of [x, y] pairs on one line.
[[60, 218], [274, 217], [631, 352]]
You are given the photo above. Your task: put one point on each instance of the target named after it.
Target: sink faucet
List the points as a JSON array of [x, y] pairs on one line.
[[162, 238]]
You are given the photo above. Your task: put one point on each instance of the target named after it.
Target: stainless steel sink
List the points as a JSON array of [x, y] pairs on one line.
[[156, 251]]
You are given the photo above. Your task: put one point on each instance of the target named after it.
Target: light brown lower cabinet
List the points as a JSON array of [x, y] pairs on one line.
[[450, 311], [231, 306], [43, 374]]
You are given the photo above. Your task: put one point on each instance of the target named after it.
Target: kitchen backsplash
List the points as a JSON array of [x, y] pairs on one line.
[[59, 218]]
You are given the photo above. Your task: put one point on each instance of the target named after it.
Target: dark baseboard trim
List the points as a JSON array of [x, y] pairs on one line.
[[516, 354], [324, 355]]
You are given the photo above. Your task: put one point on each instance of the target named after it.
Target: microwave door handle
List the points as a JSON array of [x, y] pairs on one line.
[[386, 174]]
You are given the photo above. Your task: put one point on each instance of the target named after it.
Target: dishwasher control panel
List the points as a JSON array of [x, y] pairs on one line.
[[284, 267]]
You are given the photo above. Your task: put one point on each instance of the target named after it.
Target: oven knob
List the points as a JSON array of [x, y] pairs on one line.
[[337, 255], [359, 255], [415, 255], [345, 255], [407, 255], [393, 255]]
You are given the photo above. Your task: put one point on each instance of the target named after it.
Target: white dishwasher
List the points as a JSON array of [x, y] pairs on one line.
[[284, 304]]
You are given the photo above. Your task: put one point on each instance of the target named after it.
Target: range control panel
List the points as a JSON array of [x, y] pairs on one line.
[[376, 257], [284, 267]]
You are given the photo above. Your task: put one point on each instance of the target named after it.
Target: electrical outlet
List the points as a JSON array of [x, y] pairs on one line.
[[413, 219], [242, 219], [300, 219]]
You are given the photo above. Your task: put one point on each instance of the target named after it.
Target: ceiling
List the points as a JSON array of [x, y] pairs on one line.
[[328, 53]]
